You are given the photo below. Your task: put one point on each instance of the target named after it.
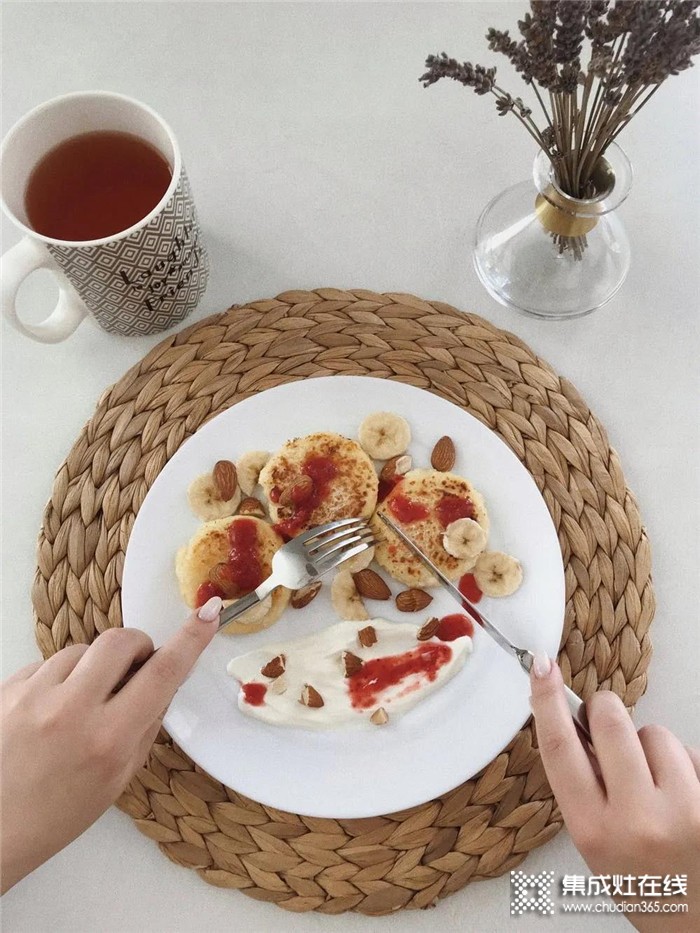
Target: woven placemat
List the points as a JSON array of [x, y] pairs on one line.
[[486, 826]]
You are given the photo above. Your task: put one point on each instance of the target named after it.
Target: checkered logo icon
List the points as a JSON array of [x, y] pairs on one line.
[[531, 893]]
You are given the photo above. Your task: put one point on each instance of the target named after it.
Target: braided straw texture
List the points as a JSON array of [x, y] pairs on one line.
[[489, 824]]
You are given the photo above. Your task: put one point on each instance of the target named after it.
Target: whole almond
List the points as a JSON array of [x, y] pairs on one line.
[[367, 636], [298, 492], [352, 663], [379, 717], [303, 597], [429, 629], [413, 600], [221, 575], [275, 667], [397, 466], [370, 585], [251, 506], [311, 697], [444, 455], [225, 479]]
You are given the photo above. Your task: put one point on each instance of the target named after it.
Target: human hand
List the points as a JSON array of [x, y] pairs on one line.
[[634, 807], [70, 744]]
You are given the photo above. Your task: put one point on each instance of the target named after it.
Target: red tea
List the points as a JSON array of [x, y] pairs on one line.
[[95, 185]]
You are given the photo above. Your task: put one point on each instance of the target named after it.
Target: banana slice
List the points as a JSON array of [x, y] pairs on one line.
[[359, 561], [497, 574], [253, 620], [203, 496], [384, 435], [464, 538], [345, 598], [248, 468]]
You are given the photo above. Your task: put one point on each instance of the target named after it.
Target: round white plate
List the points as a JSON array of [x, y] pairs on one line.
[[443, 741]]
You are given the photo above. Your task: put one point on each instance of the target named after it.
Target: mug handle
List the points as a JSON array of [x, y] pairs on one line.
[[17, 264]]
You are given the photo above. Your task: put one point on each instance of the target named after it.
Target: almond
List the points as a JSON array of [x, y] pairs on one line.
[[275, 667], [352, 663], [225, 479], [278, 686], [303, 597], [367, 636], [429, 629], [413, 600], [397, 466], [379, 717], [444, 455], [252, 506], [221, 575], [298, 492], [370, 585], [311, 697]]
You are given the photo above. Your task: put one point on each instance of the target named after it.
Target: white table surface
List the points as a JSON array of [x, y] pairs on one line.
[[317, 159]]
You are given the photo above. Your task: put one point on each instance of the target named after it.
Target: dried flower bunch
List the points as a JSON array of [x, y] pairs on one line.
[[634, 46]]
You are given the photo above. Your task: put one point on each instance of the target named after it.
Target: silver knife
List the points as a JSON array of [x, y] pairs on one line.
[[522, 655]]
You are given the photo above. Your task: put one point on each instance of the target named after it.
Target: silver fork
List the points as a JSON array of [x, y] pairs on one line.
[[305, 558]]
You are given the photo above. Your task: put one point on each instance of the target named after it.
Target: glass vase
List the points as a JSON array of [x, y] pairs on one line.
[[542, 252]]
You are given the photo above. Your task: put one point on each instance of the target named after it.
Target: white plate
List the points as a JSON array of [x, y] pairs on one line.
[[443, 741]]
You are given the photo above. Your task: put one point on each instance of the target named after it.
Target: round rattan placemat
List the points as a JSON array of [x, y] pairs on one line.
[[487, 825]]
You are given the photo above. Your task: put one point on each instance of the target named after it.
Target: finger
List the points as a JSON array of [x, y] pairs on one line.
[[152, 688], [694, 755], [108, 659], [667, 758], [569, 771], [24, 673], [59, 666], [620, 755]]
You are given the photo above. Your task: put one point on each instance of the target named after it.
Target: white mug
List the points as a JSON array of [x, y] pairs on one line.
[[142, 280]]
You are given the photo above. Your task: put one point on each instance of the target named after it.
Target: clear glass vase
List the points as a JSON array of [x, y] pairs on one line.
[[542, 252]]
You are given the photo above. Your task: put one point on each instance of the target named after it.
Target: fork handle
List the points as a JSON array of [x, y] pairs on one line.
[[578, 712], [246, 602]]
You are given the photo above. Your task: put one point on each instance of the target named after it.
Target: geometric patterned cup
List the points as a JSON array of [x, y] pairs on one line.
[[142, 280]]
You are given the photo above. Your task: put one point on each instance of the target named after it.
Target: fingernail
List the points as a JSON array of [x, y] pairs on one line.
[[211, 609], [541, 665]]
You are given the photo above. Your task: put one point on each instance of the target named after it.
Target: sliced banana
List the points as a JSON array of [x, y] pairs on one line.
[[464, 539], [497, 574], [203, 496], [359, 561], [345, 598], [251, 619], [248, 468], [384, 435]]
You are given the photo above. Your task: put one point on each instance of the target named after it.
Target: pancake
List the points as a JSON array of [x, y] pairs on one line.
[[442, 497], [343, 482], [210, 546]]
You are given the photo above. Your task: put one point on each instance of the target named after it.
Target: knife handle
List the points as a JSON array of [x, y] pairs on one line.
[[578, 713]]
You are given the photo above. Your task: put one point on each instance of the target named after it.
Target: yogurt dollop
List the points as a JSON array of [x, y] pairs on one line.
[[397, 672]]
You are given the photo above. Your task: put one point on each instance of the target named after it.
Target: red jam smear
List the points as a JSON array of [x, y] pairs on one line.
[[454, 626], [205, 593], [244, 557], [254, 694], [469, 588], [322, 471], [450, 508], [379, 674], [386, 486], [275, 494], [407, 510]]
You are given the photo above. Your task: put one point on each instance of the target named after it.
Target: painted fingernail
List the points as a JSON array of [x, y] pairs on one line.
[[211, 609], [541, 665]]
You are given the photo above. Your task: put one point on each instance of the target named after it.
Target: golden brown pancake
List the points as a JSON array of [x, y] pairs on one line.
[[443, 497], [344, 481]]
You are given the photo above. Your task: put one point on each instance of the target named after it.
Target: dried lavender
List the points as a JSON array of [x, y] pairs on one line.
[[633, 47]]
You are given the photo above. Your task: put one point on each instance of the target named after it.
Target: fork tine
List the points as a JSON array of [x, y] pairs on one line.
[[340, 551], [337, 542], [321, 530], [321, 543], [330, 562]]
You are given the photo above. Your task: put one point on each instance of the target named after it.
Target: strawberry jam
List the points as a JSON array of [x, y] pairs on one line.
[[244, 565], [254, 693], [205, 593], [322, 471], [407, 510], [454, 626], [469, 588], [378, 674], [450, 508]]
